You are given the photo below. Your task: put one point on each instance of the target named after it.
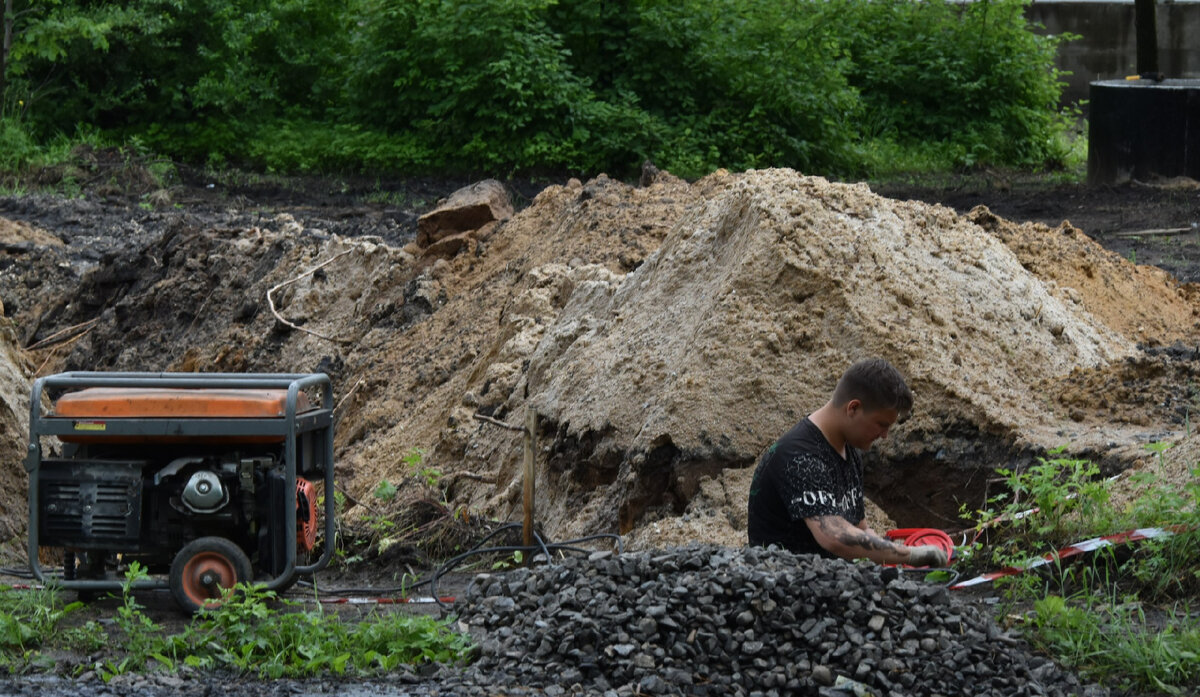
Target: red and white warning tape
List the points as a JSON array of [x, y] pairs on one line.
[[363, 600], [1073, 550]]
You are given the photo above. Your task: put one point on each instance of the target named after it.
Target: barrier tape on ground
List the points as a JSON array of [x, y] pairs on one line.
[[1073, 550], [364, 600]]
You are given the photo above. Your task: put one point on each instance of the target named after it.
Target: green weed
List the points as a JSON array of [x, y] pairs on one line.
[[142, 634], [1067, 496], [385, 491], [1114, 642], [246, 635], [428, 474], [28, 620], [1089, 610]]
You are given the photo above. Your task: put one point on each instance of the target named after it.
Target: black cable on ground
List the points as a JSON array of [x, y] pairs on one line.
[[450, 564], [542, 546]]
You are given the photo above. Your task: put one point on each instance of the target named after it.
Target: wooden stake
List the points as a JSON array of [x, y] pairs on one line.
[[530, 444]]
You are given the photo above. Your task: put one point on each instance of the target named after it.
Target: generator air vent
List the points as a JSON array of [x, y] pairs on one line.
[[89, 504]]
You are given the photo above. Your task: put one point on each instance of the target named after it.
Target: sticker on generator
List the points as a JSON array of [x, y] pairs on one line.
[[90, 426]]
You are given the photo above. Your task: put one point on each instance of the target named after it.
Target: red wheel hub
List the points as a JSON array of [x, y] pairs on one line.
[[205, 575]]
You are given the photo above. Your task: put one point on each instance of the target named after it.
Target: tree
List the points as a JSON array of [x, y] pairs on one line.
[[5, 47]]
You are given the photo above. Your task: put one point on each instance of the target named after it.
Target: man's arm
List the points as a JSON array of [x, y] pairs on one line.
[[837, 536]]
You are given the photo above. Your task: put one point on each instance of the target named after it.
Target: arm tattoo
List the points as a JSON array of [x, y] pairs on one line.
[[841, 530]]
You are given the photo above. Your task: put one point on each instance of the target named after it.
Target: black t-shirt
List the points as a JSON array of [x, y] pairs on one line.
[[802, 476]]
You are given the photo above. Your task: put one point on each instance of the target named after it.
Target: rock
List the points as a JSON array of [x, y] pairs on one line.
[[467, 209], [822, 675], [752, 635]]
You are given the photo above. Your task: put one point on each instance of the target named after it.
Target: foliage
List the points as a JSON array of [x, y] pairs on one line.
[[246, 635], [839, 88], [727, 83], [429, 475], [971, 76], [486, 82], [28, 619], [142, 641], [1114, 642], [385, 491], [1045, 506], [1061, 500], [1095, 617]]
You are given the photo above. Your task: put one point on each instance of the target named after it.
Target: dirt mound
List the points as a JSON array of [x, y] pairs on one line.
[[1175, 469], [14, 433], [664, 335], [1142, 390], [1081, 272]]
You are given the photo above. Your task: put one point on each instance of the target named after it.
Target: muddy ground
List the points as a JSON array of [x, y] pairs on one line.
[[139, 236]]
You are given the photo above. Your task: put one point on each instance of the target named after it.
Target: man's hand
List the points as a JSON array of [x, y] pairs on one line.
[[927, 555]]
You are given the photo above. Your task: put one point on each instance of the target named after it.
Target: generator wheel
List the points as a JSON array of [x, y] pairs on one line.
[[203, 568]]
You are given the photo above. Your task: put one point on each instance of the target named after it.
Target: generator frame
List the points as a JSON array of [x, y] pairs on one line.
[[317, 420]]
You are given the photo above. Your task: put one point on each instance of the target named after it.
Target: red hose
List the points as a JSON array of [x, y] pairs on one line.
[[916, 537]]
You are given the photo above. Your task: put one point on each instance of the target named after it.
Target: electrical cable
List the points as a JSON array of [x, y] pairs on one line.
[[446, 567], [565, 546]]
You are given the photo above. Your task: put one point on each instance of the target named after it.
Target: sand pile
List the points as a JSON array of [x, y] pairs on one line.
[[664, 335], [14, 432]]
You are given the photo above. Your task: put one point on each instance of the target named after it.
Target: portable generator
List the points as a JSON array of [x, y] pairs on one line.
[[206, 479]]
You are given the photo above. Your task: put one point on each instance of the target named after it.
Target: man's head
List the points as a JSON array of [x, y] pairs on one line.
[[869, 398]]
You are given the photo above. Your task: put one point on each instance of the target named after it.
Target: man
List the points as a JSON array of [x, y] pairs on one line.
[[807, 493]]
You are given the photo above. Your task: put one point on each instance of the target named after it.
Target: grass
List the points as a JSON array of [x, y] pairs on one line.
[[1116, 643], [28, 621], [887, 163], [1120, 615], [252, 633]]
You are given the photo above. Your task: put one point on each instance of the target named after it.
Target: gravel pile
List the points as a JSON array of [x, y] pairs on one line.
[[707, 620]]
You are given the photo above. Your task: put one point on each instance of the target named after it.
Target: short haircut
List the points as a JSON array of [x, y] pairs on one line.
[[877, 384]]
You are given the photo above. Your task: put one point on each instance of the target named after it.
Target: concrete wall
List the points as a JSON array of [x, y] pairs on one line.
[[1108, 47]]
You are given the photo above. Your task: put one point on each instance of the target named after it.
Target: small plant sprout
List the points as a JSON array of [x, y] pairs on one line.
[[429, 474], [1159, 448], [385, 491]]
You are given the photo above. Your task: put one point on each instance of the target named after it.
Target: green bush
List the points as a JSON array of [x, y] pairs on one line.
[[840, 88], [970, 75], [1092, 611]]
